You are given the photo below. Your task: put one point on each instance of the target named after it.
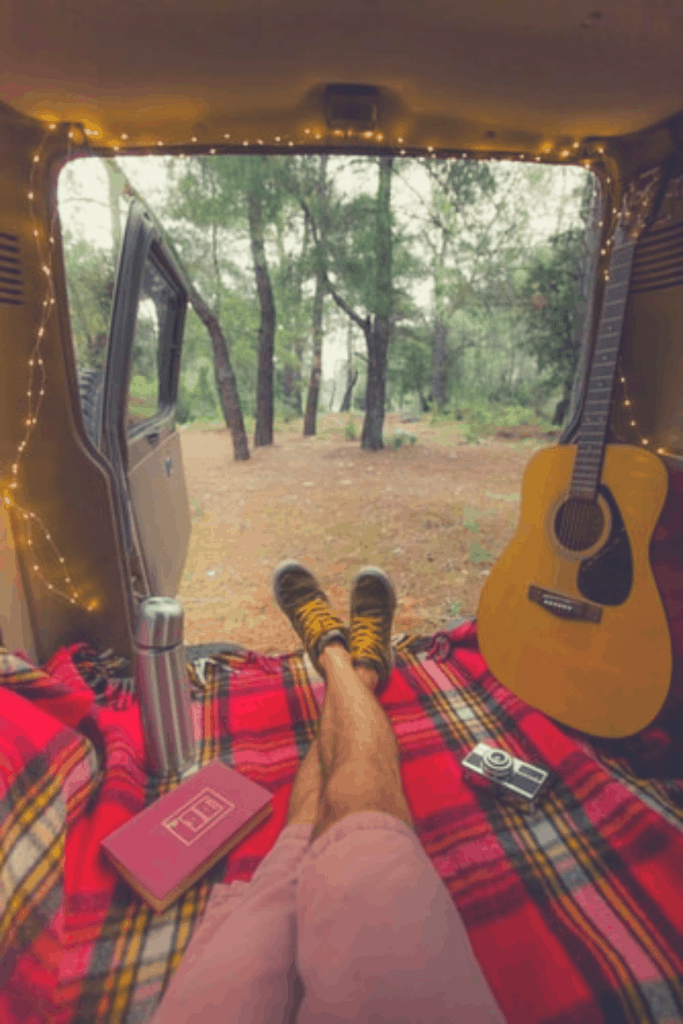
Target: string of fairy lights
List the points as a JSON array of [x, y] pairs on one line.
[[36, 368]]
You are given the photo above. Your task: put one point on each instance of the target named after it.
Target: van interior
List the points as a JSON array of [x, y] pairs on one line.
[[574, 661]]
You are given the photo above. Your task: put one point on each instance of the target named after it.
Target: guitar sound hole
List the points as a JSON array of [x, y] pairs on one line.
[[578, 524]]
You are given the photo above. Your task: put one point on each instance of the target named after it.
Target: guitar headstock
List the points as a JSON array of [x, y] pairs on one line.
[[639, 205]]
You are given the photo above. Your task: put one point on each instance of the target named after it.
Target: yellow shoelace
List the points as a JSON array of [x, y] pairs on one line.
[[369, 638], [315, 619]]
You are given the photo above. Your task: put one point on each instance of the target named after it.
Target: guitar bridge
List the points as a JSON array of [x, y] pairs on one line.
[[564, 607]]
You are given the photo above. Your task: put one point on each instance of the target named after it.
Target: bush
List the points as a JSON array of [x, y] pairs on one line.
[[183, 409], [481, 418], [400, 437], [350, 430]]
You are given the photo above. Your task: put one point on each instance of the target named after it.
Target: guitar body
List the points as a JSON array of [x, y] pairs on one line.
[[582, 634]]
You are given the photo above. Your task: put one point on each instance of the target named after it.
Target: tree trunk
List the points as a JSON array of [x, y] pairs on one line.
[[263, 432], [226, 385], [378, 334], [318, 303], [562, 406], [314, 383], [348, 394], [437, 382], [296, 384]]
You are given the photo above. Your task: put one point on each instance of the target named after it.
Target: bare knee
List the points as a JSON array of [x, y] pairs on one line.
[[356, 788]]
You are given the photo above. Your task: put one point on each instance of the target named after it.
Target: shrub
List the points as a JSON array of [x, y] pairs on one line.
[[400, 437], [350, 430]]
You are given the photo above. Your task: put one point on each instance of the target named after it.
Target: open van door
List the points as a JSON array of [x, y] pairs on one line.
[[137, 410]]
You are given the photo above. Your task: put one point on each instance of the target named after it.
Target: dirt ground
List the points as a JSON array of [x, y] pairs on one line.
[[435, 516]]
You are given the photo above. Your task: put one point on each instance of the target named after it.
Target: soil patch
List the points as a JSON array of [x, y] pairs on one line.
[[435, 515]]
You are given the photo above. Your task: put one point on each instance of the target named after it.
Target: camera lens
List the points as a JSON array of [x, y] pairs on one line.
[[497, 764]]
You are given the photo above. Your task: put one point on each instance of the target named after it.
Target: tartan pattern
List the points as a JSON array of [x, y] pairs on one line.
[[574, 910]]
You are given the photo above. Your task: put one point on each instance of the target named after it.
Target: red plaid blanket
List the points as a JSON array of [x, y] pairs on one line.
[[574, 910]]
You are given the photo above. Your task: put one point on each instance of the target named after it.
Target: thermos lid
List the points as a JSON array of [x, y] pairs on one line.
[[160, 622]]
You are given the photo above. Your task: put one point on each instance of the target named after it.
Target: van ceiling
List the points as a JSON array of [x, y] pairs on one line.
[[548, 67]]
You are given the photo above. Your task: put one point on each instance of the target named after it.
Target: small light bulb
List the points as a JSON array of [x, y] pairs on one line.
[[212, 151], [627, 402], [194, 138], [227, 136], [660, 451], [645, 441]]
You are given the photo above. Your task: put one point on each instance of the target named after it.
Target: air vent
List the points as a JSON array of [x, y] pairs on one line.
[[11, 288], [658, 261]]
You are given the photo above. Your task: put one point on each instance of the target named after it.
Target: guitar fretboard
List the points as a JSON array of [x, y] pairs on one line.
[[593, 434]]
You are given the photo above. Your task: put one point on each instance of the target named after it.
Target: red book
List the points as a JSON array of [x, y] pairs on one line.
[[166, 848]]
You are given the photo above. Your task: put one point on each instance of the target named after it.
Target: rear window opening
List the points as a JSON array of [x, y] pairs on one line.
[[475, 271]]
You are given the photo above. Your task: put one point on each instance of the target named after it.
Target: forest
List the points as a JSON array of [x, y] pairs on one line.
[[436, 282]]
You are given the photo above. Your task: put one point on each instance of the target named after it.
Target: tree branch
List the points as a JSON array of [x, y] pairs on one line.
[[343, 305]]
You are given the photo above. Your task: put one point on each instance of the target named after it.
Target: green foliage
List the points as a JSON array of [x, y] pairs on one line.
[[479, 555], [350, 429], [551, 296], [401, 437], [197, 399], [463, 253], [90, 276]]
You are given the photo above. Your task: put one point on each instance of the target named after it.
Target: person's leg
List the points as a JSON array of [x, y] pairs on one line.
[[378, 935], [359, 758], [307, 789]]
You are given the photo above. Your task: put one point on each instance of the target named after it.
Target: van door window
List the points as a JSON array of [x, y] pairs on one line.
[[149, 382]]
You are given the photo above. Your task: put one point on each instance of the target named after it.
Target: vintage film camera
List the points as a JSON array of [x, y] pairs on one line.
[[512, 775]]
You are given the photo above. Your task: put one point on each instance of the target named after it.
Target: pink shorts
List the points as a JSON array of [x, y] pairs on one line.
[[357, 926]]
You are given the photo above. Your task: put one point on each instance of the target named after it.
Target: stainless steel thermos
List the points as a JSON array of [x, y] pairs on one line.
[[163, 687]]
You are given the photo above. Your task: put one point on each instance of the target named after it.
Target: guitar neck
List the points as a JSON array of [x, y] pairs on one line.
[[640, 204], [593, 434]]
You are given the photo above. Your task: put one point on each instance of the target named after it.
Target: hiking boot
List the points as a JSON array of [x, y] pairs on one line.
[[373, 602], [304, 603]]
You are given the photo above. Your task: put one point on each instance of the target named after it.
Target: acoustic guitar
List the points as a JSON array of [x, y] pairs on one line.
[[570, 619]]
